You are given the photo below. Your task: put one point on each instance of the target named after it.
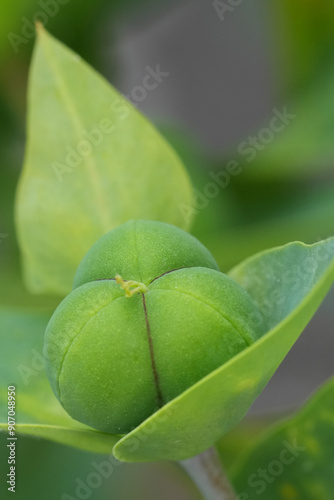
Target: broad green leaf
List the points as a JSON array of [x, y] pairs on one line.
[[296, 278], [281, 279], [296, 455], [38, 411], [92, 163]]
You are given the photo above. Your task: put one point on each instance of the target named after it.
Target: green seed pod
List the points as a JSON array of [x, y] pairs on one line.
[[120, 346]]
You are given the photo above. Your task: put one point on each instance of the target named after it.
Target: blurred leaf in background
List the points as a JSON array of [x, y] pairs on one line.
[[303, 42], [292, 459], [299, 144]]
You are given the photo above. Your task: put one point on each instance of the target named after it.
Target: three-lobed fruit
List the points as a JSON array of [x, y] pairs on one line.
[[113, 360]]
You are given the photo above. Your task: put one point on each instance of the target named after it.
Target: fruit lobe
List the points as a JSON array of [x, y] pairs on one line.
[[142, 250]]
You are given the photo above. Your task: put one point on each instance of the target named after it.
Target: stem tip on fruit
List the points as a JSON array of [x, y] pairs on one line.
[[131, 287]]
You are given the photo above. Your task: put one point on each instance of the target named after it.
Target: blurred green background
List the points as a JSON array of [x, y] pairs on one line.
[[228, 73]]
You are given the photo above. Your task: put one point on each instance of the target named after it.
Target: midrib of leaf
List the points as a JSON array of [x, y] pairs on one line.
[[99, 194]]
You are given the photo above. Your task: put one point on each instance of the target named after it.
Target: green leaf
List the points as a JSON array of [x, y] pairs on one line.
[[281, 279], [92, 163], [38, 411], [296, 455], [295, 278]]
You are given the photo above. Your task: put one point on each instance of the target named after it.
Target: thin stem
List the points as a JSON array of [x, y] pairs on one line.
[[208, 474], [131, 287]]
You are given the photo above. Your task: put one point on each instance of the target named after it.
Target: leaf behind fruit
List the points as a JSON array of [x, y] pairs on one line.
[[92, 163]]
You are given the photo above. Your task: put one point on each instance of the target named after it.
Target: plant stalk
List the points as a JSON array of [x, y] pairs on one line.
[[207, 472]]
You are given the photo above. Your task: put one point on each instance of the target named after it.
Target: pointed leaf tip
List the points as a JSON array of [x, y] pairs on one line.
[[92, 163]]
